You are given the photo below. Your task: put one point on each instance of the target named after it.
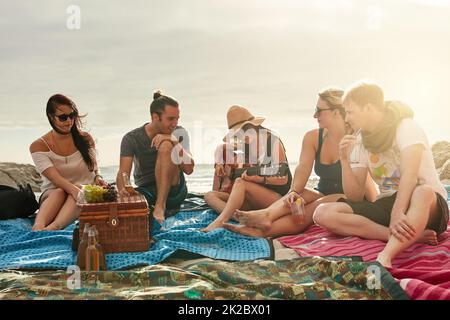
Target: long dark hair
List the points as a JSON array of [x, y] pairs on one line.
[[81, 142]]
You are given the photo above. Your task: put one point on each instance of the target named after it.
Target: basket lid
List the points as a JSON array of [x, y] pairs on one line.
[[137, 201]]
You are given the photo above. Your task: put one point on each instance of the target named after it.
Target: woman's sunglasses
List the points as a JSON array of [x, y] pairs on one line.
[[64, 117], [318, 110]]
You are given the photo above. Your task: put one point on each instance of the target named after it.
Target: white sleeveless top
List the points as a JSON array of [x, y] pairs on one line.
[[73, 168]]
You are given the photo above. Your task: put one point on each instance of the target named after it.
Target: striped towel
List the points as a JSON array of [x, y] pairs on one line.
[[422, 270]]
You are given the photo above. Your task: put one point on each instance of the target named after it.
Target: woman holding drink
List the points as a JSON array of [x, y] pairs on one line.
[[292, 214]]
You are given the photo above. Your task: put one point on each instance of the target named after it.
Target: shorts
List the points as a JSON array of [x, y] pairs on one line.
[[175, 198], [380, 211]]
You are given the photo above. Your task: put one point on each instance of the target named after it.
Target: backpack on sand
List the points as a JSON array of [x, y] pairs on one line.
[[17, 203]]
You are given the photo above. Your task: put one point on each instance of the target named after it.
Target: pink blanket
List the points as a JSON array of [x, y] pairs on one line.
[[422, 270]]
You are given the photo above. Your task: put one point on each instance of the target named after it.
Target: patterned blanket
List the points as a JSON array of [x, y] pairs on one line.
[[310, 278], [422, 270]]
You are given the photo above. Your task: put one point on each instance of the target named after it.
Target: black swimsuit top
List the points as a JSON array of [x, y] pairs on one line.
[[330, 174], [271, 140]]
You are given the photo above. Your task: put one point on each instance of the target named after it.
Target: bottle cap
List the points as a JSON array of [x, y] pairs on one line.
[[86, 227]]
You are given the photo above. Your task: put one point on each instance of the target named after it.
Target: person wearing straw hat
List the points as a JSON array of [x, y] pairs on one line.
[[251, 191], [228, 157], [320, 150]]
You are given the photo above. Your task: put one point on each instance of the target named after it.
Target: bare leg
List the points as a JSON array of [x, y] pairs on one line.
[[68, 214], [49, 208], [216, 200], [244, 192], [286, 225], [422, 210], [340, 219], [262, 219], [167, 175]]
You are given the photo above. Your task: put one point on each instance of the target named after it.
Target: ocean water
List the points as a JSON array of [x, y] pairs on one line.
[[199, 181]]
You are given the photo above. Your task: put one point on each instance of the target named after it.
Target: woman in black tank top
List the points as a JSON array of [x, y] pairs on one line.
[[320, 148], [251, 191], [330, 175]]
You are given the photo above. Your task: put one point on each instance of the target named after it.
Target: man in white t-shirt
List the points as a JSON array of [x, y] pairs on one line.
[[395, 151]]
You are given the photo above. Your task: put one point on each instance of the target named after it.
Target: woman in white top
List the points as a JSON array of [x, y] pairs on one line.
[[65, 158]]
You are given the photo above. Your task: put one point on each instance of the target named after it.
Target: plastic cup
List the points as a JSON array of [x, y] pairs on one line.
[[127, 184], [81, 199], [298, 210], [355, 154]]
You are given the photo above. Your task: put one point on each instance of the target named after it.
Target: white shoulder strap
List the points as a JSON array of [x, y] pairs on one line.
[[45, 143]]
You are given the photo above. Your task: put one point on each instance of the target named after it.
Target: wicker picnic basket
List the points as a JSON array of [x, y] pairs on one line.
[[123, 226]]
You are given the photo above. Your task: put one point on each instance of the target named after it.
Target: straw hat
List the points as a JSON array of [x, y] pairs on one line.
[[237, 117]]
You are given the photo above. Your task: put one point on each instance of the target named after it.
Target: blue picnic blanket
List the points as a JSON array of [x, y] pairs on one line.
[[22, 248]]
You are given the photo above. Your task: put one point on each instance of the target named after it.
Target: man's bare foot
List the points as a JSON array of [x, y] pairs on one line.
[[216, 224], [158, 214], [429, 237], [246, 231], [38, 227], [258, 219], [384, 260]]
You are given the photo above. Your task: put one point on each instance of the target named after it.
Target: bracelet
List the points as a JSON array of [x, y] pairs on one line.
[[292, 190]]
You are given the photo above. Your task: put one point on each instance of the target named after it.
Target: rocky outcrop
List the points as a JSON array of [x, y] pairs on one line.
[[441, 155], [13, 174], [444, 172]]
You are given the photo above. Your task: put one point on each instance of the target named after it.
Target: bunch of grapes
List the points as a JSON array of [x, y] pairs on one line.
[[94, 193], [111, 193]]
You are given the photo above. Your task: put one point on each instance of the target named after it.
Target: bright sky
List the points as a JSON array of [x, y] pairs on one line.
[[269, 55]]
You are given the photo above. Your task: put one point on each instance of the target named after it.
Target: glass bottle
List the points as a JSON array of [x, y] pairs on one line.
[[81, 258], [92, 253], [100, 250]]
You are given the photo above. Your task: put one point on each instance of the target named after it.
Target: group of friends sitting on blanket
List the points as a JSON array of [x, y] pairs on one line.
[[362, 142]]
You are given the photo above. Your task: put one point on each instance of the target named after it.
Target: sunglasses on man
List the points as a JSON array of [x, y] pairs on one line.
[[63, 117]]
